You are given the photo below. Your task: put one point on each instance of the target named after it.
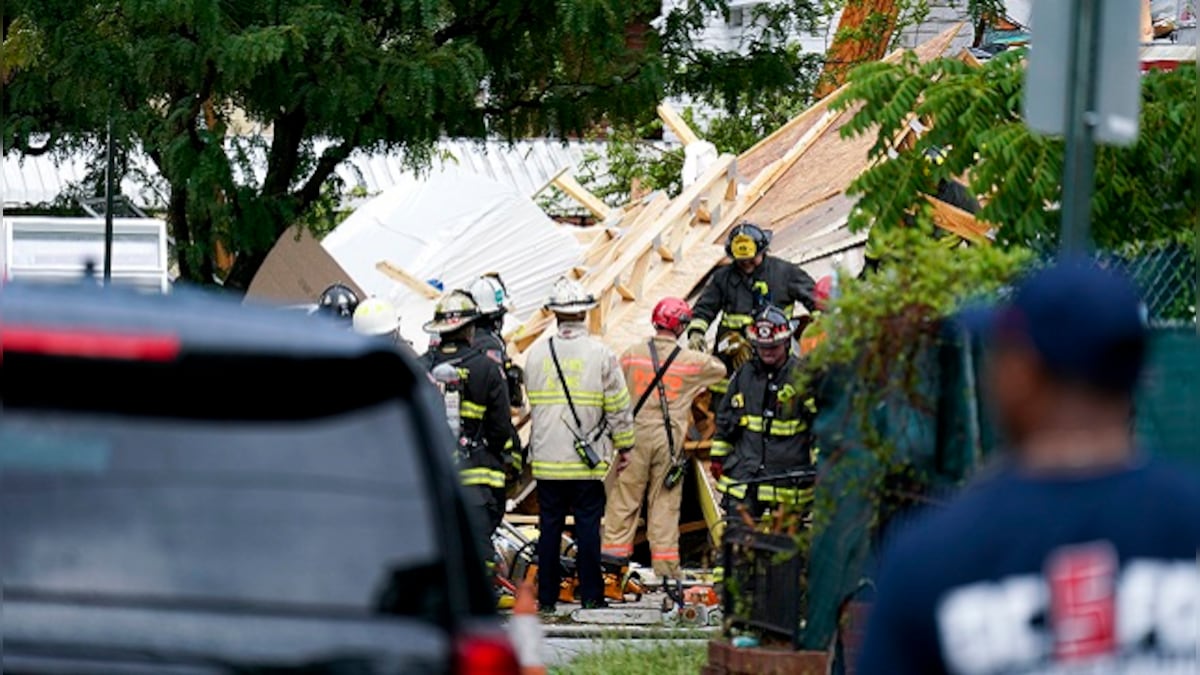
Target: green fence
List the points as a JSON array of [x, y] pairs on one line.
[[941, 431], [1169, 403]]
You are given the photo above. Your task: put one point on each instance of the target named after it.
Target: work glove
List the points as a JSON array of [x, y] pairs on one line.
[[716, 468], [736, 349], [697, 341]]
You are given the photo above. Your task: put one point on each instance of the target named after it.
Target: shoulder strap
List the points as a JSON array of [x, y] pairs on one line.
[[662, 393], [658, 374], [566, 390]]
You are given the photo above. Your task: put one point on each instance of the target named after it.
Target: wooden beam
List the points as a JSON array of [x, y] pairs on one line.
[[567, 183], [637, 278], [678, 209], [960, 222], [676, 124], [852, 45], [417, 285]]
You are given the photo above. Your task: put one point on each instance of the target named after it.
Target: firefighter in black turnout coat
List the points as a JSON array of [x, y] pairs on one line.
[[738, 292], [764, 424], [477, 407]]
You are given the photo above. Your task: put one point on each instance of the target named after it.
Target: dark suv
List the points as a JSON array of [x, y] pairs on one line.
[[191, 486]]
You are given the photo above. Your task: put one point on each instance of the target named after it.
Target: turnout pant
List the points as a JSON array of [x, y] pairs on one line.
[[557, 499], [487, 510], [649, 464]]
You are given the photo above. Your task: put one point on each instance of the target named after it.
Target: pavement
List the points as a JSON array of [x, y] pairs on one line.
[[574, 631]]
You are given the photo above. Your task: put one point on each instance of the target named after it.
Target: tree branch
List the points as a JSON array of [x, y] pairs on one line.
[[205, 93], [21, 144], [284, 155], [455, 30], [325, 166]]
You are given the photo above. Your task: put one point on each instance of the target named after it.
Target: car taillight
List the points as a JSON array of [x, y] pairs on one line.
[[485, 655], [88, 344]]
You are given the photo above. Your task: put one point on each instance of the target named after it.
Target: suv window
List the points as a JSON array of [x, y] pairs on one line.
[[315, 515]]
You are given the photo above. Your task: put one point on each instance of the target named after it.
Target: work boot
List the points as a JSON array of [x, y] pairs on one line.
[[547, 611], [595, 604]]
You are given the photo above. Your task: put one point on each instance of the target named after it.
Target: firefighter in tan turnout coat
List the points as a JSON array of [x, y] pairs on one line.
[[581, 424], [658, 461]]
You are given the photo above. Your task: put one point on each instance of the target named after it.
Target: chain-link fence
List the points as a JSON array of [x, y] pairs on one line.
[[1166, 276]]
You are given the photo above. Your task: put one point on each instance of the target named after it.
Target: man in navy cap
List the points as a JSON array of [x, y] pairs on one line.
[[1079, 554]]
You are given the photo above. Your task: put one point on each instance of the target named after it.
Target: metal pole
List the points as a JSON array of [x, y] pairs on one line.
[[108, 205], [1079, 166]]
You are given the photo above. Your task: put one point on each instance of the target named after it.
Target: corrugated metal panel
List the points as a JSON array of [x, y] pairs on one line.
[[524, 165]]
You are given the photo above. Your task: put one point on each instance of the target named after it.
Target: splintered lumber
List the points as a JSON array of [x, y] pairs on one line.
[[677, 124], [960, 222], [596, 206], [799, 199], [863, 34], [678, 209], [776, 145], [417, 285]]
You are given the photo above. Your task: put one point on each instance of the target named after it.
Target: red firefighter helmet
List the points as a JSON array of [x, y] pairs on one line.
[[822, 291], [771, 327], [671, 314]]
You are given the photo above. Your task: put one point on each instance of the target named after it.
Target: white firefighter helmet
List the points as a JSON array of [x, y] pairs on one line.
[[376, 316], [455, 311], [569, 297], [490, 294]]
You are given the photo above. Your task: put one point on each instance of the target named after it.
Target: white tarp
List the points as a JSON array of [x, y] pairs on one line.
[[452, 227]]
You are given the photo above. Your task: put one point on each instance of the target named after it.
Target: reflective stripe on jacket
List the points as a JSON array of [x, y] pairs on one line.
[[483, 408], [601, 400], [764, 428]]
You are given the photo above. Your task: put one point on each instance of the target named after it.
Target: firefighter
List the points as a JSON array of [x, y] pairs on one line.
[[491, 295], [809, 336], [739, 291], [763, 424], [338, 301], [653, 369], [581, 423], [377, 317], [476, 397]]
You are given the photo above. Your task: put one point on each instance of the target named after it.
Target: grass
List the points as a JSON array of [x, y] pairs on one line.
[[623, 658]]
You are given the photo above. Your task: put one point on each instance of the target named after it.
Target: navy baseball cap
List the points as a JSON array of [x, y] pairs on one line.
[[1086, 323]]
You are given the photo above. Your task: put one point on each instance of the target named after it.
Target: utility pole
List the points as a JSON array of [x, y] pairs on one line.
[[1079, 165], [108, 202]]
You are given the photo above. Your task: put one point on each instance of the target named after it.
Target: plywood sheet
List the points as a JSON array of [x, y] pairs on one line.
[[296, 271]]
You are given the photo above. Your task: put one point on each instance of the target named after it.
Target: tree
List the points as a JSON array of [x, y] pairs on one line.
[[329, 77], [1144, 193]]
